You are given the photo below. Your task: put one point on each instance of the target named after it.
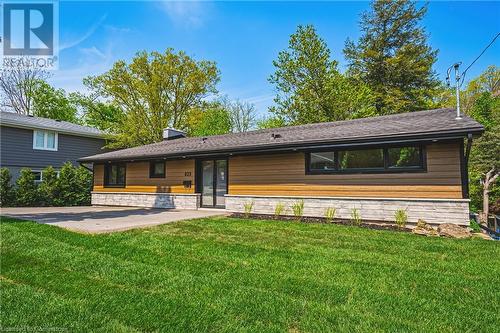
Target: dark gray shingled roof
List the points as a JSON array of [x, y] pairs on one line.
[[18, 120], [383, 128]]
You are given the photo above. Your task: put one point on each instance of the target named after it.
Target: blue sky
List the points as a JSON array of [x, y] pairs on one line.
[[243, 38]]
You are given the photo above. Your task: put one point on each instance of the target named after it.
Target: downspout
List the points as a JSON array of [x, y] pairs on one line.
[[465, 175]]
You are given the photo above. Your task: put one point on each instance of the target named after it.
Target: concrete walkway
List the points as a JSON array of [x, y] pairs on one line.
[[97, 219]]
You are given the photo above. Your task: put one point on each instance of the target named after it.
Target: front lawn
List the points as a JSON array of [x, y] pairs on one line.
[[224, 274]]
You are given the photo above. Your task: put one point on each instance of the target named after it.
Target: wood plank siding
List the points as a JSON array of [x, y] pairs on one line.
[[285, 175], [137, 178]]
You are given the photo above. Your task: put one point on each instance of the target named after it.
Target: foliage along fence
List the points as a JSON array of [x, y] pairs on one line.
[[71, 188]]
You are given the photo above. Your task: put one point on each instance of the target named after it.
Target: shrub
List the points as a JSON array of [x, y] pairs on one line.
[[298, 209], [401, 218], [355, 217], [330, 214], [49, 188], [6, 189], [279, 209], [84, 186], [474, 226], [26, 194], [248, 206], [67, 186]]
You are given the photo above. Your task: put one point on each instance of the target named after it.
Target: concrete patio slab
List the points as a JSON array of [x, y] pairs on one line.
[[97, 219]]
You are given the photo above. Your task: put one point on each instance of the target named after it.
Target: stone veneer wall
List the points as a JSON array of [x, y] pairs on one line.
[[435, 211], [151, 200]]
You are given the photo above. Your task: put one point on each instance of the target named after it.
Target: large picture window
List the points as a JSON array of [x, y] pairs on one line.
[[367, 160], [114, 175]]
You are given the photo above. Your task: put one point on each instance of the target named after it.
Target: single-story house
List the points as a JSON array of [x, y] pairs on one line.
[[412, 161], [35, 143]]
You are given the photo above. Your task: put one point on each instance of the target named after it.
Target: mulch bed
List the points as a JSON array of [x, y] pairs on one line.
[[369, 224]]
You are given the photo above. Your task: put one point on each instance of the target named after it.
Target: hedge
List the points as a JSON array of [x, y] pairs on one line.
[[71, 188]]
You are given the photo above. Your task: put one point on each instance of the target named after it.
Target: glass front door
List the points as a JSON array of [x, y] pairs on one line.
[[213, 182]]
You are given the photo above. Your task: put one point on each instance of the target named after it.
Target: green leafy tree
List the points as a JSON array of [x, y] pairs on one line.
[[6, 189], [49, 187], [155, 91], [26, 189], [270, 122], [393, 57], [309, 86], [52, 103], [97, 113], [212, 119]]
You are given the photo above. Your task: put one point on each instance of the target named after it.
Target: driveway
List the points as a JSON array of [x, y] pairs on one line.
[[97, 219]]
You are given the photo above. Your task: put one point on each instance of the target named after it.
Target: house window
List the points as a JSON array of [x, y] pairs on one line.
[[404, 157], [361, 159], [372, 160], [114, 175], [45, 140], [323, 161], [38, 175], [157, 169]]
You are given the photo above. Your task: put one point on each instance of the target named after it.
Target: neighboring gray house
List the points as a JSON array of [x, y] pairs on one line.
[[35, 143]]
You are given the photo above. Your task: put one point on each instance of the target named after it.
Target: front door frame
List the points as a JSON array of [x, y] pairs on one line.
[[199, 180]]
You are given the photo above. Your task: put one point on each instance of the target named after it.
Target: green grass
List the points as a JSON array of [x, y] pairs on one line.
[[229, 275]]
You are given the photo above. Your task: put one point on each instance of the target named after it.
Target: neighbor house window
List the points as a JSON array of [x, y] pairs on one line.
[[38, 175], [44, 140], [114, 175], [370, 160], [157, 169]]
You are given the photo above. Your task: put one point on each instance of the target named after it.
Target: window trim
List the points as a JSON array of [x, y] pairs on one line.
[[106, 173], [386, 169], [45, 132], [152, 169]]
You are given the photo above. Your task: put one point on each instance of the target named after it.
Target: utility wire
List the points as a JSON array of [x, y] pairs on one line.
[[479, 56]]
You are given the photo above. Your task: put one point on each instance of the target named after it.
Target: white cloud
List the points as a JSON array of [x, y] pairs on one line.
[[187, 14]]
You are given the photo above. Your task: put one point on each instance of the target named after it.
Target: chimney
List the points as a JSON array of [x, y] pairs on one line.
[[171, 133]]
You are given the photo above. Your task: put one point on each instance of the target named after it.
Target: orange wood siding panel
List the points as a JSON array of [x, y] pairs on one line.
[[284, 174], [137, 178]]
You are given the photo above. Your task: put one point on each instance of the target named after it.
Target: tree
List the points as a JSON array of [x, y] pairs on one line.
[[484, 106], [270, 122], [99, 114], [6, 189], [485, 162], [155, 91], [26, 192], [211, 119], [242, 115], [17, 86], [48, 102], [310, 88], [392, 56]]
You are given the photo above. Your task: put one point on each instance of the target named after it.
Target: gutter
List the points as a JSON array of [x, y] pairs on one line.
[[430, 137]]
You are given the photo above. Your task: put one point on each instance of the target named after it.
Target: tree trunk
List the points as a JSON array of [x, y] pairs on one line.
[[489, 179]]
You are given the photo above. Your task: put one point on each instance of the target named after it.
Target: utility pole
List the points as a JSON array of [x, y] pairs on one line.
[[455, 66]]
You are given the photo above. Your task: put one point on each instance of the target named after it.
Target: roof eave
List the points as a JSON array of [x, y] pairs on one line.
[[456, 134], [50, 128]]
